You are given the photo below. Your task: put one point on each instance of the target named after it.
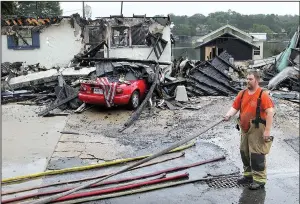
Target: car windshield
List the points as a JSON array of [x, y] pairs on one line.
[[130, 76]]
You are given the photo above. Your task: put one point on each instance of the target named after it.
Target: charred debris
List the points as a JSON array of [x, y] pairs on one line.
[[281, 72], [58, 87]]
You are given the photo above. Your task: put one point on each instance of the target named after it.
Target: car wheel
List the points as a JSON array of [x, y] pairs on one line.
[[134, 100]]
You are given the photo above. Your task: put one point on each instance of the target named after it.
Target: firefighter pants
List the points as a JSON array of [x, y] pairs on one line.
[[253, 149]]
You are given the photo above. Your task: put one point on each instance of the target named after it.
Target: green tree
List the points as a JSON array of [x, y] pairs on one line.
[[33, 8], [213, 24], [182, 29], [249, 23], [49, 8], [8, 7], [257, 28]]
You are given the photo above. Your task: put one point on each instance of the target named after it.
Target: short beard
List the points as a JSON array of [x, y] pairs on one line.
[[250, 88]]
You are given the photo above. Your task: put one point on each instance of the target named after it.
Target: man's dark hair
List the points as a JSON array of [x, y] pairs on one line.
[[255, 74]]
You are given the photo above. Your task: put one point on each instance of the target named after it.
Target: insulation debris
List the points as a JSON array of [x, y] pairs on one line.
[[282, 71]]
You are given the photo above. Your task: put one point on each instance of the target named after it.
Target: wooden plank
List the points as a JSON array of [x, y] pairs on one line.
[[171, 106], [47, 110]]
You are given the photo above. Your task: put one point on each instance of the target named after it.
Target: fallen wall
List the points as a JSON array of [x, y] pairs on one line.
[[44, 77]]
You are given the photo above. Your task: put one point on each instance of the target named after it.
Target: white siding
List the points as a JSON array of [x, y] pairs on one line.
[[58, 45], [261, 45], [259, 36]]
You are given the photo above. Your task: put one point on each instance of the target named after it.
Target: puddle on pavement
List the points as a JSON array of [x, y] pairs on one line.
[[16, 169], [61, 163]]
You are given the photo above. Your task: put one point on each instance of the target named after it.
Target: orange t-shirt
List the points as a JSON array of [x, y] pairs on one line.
[[249, 103]]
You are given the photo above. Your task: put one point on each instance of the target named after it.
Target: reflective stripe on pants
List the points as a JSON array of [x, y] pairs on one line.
[[253, 149]]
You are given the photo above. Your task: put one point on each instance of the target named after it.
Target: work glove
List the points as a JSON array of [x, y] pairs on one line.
[[226, 117]]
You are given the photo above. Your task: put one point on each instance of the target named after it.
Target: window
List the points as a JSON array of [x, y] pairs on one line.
[[256, 51], [95, 35], [23, 40], [129, 36], [120, 37], [138, 34]]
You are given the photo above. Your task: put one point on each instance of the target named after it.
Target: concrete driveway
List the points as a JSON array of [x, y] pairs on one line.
[[98, 140]]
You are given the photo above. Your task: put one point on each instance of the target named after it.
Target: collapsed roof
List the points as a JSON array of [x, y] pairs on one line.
[[9, 25]]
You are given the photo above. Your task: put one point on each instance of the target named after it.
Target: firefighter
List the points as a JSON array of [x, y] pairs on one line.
[[254, 122]]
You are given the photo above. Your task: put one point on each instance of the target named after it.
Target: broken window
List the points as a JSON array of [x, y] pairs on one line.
[[130, 76], [256, 51], [120, 36], [95, 35], [23, 39], [138, 34]]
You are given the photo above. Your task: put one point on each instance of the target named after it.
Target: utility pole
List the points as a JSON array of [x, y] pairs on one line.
[[121, 8], [36, 9], [83, 11]]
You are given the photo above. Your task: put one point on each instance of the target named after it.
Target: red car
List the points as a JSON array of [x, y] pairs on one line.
[[109, 93]]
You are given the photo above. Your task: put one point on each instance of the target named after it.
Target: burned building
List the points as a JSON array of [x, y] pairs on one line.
[[53, 42], [131, 37], [50, 42], [102, 48], [69, 43], [241, 45]]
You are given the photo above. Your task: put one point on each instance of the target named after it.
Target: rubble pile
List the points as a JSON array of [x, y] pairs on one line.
[[18, 68], [60, 87], [118, 71], [40, 98], [55, 85], [282, 71], [40, 85], [212, 78], [208, 78], [39, 94]]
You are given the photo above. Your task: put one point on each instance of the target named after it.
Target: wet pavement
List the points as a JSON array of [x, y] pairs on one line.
[[28, 141], [99, 140]]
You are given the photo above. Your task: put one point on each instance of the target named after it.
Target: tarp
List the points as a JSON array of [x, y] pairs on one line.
[[283, 60]]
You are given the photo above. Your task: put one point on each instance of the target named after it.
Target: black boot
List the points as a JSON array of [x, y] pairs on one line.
[[255, 185], [244, 180]]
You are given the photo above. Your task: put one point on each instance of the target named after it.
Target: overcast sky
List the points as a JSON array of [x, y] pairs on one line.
[[102, 9]]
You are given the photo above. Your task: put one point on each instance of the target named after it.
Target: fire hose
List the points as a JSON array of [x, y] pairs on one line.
[[170, 157], [121, 188], [165, 171], [83, 168], [54, 197], [134, 191]]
